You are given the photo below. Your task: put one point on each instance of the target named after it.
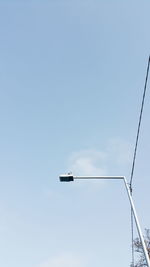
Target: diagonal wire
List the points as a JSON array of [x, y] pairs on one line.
[[132, 237], [139, 124], [134, 157]]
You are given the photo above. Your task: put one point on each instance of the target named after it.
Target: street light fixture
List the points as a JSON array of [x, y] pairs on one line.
[[70, 178]]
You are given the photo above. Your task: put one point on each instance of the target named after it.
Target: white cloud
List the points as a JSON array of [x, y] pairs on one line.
[[120, 151], [88, 162], [64, 260], [115, 156]]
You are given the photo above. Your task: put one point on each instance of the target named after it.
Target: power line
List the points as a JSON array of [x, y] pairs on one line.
[[132, 236], [134, 156], [139, 124]]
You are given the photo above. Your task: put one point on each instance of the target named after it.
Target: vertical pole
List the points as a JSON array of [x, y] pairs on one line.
[[137, 223]]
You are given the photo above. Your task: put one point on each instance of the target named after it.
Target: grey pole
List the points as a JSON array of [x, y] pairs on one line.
[[137, 223], [70, 177]]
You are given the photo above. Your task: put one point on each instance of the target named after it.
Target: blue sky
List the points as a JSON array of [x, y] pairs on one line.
[[71, 82]]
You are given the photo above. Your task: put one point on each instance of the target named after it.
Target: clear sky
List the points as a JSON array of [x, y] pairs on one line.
[[71, 82]]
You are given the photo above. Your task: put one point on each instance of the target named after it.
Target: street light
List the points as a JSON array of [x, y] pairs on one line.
[[70, 178]]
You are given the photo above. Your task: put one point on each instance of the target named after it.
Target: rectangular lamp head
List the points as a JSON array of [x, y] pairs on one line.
[[66, 178]]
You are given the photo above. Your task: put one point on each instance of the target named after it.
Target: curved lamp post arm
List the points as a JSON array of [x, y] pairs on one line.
[[70, 178]]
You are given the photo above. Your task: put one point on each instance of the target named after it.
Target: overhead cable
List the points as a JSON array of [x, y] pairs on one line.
[[134, 156], [139, 124]]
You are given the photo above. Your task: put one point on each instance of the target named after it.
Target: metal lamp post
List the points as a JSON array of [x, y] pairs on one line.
[[70, 178]]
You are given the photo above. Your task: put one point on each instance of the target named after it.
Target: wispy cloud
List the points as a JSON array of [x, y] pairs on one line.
[[88, 162], [64, 260], [116, 155], [120, 151]]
